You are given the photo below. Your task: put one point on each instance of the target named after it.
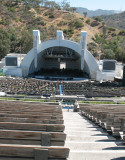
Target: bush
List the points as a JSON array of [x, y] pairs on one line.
[[38, 10], [82, 18], [61, 23], [88, 21], [92, 46], [51, 16], [95, 54], [122, 33], [94, 23], [112, 29], [98, 18], [5, 21], [11, 9], [109, 54], [113, 34], [37, 21], [69, 32], [76, 24]]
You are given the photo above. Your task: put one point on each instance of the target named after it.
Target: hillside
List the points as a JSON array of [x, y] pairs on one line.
[[92, 13], [116, 20], [17, 21]]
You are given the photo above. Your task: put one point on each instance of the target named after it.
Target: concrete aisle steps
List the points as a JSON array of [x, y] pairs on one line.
[[87, 141]]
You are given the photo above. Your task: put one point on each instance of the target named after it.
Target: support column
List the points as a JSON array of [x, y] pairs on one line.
[[83, 44], [59, 35], [36, 42]]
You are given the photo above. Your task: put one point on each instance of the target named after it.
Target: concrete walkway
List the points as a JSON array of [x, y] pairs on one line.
[[87, 141]]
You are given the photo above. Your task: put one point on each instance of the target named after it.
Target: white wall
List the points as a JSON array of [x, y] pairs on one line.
[[91, 64], [12, 71]]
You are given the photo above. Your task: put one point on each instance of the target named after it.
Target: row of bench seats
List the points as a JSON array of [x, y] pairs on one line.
[[31, 131], [30, 86], [109, 117]]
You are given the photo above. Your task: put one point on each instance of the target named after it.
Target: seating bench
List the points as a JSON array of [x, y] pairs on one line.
[[33, 151], [31, 120], [32, 138], [32, 126]]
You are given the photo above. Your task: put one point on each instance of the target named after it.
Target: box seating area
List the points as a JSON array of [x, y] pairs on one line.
[[31, 131], [93, 89], [109, 117], [30, 86]]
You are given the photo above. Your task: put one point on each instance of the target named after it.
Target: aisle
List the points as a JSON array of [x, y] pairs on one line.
[[88, 141]]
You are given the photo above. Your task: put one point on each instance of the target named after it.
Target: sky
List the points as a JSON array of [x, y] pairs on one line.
[[98, 4]]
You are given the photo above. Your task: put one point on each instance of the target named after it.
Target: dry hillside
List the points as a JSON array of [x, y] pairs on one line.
[[19, 21]]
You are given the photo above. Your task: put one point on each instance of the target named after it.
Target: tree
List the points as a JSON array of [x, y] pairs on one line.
[[4, 43], [85, 14], [98, 18], [33, 3], [26, 41], [109, 54], [65, 5], [73, 9]]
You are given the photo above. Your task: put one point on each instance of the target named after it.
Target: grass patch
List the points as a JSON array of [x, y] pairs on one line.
[[122, 102], [22, 99], [97, 102], [1, 74], [26, 99]]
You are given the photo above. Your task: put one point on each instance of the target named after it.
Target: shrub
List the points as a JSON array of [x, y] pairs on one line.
[[109, 54], [11, 9], [38, 10], [95, 54], [98, 18], [76, 24], [61, 23], [122, 33], [51, 16], [88, 21], [94, 23], [69, 32], [112, 29], [82, 19], [113, 34]]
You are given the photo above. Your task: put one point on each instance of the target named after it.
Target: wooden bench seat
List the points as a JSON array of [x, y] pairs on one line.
[[46, 116], [32, 126], [108, 117], [30, 130], [33, 151], [31, 120], [32, 138]]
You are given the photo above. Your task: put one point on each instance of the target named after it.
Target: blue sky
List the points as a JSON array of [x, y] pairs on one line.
[[98, 4]]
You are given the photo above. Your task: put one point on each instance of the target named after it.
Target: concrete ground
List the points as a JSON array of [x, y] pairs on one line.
[[87, 141]]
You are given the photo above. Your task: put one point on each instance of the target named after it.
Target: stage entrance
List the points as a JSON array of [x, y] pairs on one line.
[[62, 65]]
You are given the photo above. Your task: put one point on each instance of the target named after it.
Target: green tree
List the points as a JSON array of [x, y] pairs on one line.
[[4, 43], [65, 5], [109, 54], [73, 9], [26, 41], [88, 21], [98, 18], [85, 14]]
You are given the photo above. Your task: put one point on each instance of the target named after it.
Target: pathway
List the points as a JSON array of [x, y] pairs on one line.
[[87, 141]]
